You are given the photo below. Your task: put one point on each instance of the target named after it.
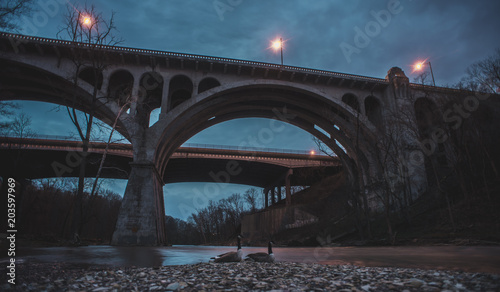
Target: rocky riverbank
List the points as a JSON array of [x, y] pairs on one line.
[[245, 276]]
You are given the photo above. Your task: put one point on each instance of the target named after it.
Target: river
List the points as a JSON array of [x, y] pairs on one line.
[[465, 258]]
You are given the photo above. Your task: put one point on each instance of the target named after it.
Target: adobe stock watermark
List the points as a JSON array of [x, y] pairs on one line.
[[30, 25], [223, 6], [453, 117], [220, 179], [267, 135], [323, 251], [363, 37]]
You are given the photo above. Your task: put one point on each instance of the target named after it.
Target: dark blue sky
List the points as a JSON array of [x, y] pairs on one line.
[[357, 37]]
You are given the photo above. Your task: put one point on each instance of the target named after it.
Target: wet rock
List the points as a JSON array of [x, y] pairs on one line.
[[173, 287], [415, 283]]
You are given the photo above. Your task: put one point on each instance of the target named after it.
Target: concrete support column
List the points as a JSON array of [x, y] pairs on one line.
[[273, 195], [141, 220], [195, 88], [266, 198], [164, 99], [288, 187], [135, 96], [362, 108], [105, 82]]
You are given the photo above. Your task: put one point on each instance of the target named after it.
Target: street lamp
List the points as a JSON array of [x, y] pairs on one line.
[[278, 45], [86, 20], [420, 65]]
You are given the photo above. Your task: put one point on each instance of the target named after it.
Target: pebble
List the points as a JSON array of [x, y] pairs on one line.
[[173, 286], [245, 276]]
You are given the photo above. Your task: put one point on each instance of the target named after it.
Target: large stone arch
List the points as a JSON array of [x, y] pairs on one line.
[[259, 99], [310, 106], [21, 81]]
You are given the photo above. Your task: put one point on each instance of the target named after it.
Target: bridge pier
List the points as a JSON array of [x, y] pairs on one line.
[[288, 187], [275, 189], [141, 220]]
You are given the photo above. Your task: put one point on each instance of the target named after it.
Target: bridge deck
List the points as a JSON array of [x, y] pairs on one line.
[[35, 158]]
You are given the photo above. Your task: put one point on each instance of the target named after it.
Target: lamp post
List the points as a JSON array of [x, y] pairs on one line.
[[420, 65], [278, 44]]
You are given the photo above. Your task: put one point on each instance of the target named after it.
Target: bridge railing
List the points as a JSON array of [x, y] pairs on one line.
[[49, 41], [185, 145], [192, 56], [53, 137], [245, 148]]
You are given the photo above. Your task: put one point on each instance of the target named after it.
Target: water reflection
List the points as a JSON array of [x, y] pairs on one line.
[[473, 259]]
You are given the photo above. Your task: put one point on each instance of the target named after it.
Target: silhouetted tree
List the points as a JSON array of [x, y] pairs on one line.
[[11, 10], [21, 126], [483, 76], [86, 25], [6, 111], [252, 197]]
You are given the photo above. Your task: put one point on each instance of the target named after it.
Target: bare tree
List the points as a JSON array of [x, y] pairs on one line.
[[483, 76], [6, 111], [358, 196], [93, 192], [251, 196], [422, 78], [21, 126], [11, 10], [86, 25]]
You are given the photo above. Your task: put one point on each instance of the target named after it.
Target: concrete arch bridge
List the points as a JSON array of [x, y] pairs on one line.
[[351, 114]]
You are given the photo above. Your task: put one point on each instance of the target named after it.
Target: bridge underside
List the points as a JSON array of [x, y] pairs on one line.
[[34, 164]]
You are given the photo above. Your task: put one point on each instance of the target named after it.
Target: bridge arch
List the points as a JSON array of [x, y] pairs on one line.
[[149, 97], [427, 115], [120, 86], [298, 105], [351, 100], [180, 90], [207, 83], [21, 81], [373, 110]]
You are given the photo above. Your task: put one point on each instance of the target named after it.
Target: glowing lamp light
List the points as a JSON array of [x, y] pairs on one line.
[[87, 20], [420, 66], [312, 152], [276, 44]]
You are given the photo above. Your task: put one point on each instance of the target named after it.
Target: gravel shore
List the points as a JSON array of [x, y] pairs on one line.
[[246, 276]]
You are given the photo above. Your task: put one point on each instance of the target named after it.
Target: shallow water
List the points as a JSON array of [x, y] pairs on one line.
[[466, 258]]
